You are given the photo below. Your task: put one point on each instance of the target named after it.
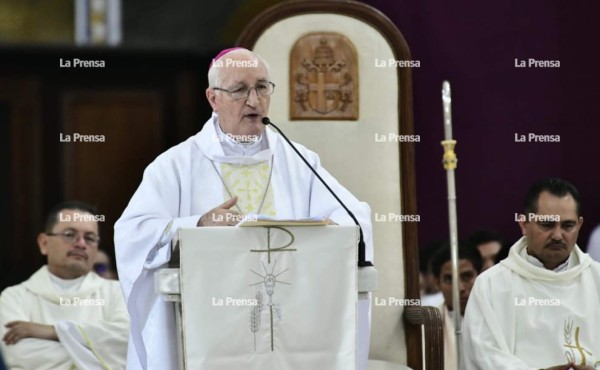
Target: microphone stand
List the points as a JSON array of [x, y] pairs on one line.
[[362, 262]]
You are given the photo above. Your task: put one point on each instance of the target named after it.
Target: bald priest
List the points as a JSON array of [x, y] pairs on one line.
[[538, 308], [233, 166]]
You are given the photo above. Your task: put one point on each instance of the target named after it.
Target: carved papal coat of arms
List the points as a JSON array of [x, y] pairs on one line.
[[323, 78]]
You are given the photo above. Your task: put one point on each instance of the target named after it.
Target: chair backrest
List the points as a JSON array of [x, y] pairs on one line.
[[363, 152]]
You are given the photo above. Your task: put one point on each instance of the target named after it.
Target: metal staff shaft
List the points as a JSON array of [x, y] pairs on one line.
[[450, 162]]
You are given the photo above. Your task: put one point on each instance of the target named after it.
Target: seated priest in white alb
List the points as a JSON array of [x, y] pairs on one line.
[[538, 308], [469, 265], [65, 316], [233, 166]]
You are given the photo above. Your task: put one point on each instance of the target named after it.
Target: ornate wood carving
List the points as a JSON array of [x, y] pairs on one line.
[[323, 78]]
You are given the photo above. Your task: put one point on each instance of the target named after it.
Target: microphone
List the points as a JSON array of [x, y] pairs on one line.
[[362, 262]]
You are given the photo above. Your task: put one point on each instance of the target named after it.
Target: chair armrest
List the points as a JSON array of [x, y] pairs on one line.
[[431, 319]]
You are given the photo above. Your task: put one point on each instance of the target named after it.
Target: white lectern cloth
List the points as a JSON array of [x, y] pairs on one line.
[[297, 311]]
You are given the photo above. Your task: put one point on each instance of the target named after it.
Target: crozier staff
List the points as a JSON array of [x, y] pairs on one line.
[[450, 165]]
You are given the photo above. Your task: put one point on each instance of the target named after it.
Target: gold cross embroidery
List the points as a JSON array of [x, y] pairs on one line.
[[270, 250]]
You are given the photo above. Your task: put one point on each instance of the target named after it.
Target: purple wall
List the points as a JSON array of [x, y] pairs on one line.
[[474, 46]]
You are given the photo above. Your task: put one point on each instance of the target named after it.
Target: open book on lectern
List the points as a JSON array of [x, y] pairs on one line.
[[252, 219]]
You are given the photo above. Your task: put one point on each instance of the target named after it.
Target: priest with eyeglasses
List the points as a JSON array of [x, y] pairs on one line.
[[65, 316], [233, 167]]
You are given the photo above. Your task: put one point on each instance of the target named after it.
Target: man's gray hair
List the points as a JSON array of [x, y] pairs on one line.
[[214, 71]]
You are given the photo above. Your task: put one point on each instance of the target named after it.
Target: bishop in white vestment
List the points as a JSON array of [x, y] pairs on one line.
[[233, 166]]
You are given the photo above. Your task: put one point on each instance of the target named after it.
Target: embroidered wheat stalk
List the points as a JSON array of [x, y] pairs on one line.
[[568, 331], [259, 301], [255, 316]]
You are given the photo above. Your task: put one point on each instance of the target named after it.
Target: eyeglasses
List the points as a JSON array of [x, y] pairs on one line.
[[71, 236], [243, 92]]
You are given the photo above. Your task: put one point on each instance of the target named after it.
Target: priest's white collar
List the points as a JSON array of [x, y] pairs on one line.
[[53, 288], [246, 145], [66, 285], [529, 267], [217, 149], [536, 262]]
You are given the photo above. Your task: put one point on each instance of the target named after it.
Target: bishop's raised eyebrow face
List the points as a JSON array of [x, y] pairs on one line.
[[240, 85]]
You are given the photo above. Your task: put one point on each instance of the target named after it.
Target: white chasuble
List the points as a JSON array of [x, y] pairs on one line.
[[91, 323], [520, 316], [257, 298]]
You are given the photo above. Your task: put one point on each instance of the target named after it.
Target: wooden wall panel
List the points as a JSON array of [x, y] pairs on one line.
[[21, 207], [143, 102], [107, 173]]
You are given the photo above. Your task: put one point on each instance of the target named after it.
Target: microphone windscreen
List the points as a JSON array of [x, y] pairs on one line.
[[266, 121]]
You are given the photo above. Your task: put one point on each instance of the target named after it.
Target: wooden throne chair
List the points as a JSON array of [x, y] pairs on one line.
[[344, 91]]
